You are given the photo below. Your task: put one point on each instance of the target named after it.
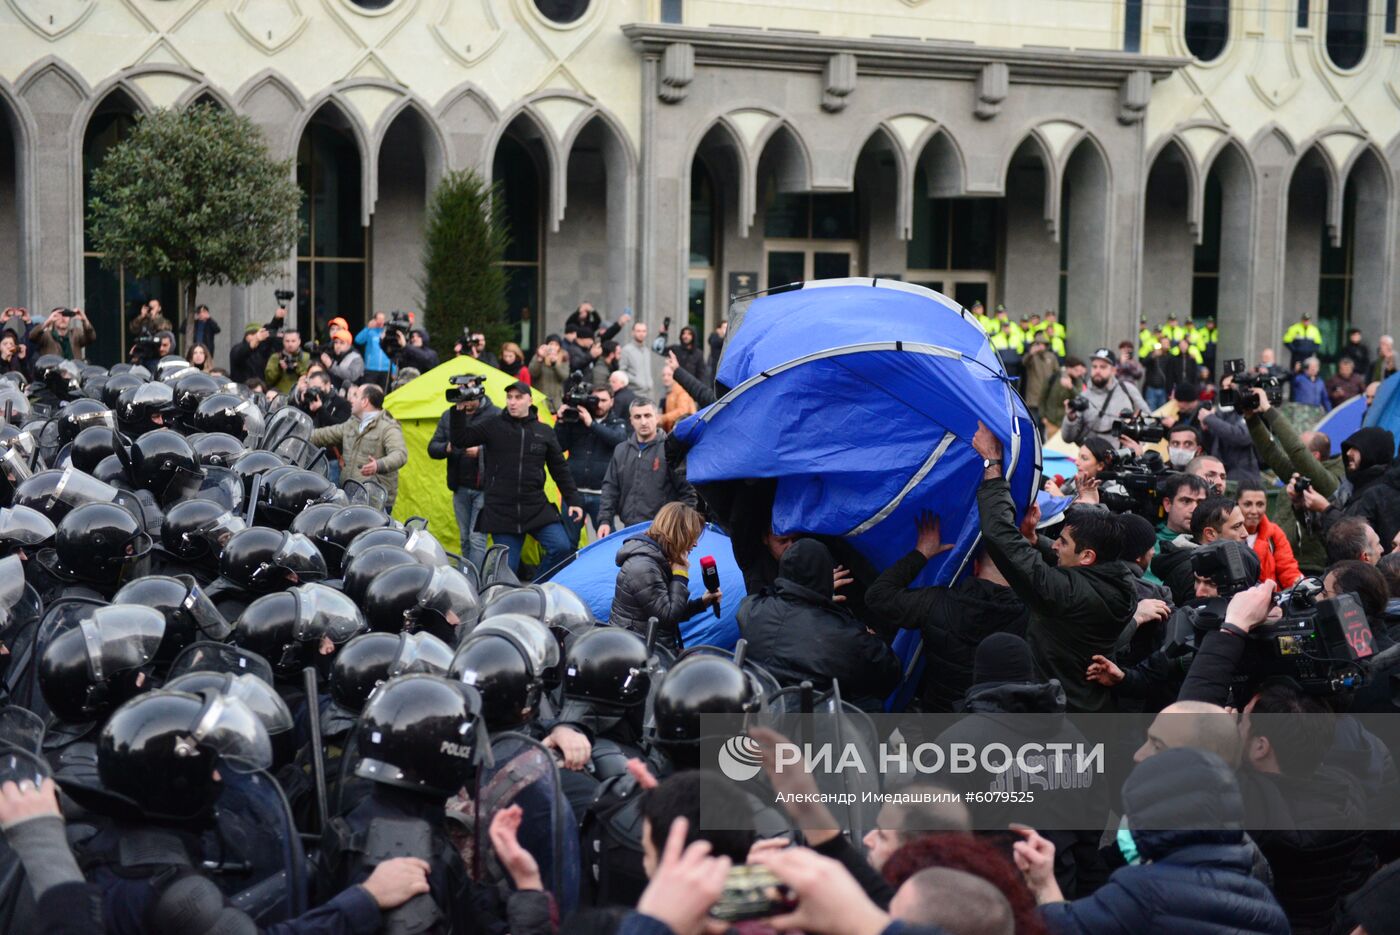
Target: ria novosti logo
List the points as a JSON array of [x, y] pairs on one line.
[[741, 758]]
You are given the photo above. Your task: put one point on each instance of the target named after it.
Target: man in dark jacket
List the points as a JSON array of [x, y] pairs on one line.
[[954, 619], [1216, 518], [248, 358], [1189, 866], [416, 353], [589, 441], [1369, 456], [641, 479], [518, 447], [466, 472], [1079, 599], [797, 632]]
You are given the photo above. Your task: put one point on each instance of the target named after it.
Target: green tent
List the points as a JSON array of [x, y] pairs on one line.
[[423, 481]]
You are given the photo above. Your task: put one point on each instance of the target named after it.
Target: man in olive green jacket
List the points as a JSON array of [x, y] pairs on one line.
[[370, 442]]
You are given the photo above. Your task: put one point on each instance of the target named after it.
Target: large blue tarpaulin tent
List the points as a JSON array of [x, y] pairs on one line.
[[857, 399], [1385, 410]]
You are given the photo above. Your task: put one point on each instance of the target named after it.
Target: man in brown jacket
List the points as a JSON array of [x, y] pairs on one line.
[[58, 334], [370, 442]]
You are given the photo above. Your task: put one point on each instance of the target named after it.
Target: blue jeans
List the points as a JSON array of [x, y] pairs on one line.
[[466, 505], [553, 538], [1155, 396], [591, 502]]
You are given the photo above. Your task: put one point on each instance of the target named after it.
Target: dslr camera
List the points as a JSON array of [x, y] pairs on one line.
[[1239, 397], [1140, 428], [395, 334], [465, 388], [1079, 404], [577, 394]]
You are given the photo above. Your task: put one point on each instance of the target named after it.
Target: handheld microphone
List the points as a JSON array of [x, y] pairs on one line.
[[710, 574]]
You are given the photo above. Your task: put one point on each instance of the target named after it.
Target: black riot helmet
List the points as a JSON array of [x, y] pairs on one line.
[[95, 662], [419, 543], [22, 528], [361, 569], [310, 521], [416, 597], [100, 543], [290, 492], [17, 404], [554, 605], [253, 464], [197, 530], [216, 449], [422, 733], [163, 462], [116, 385], [342, 528], [371, 659], [57, 491], [290, 629], [257, 695], [263, 560], [159, 752], [224, 412], [191, 389], [189, 614], [64, 379], [45, 364], [143, 408], [607, 666], [696, 685], [90, 447], [83, 414], [498, 665]]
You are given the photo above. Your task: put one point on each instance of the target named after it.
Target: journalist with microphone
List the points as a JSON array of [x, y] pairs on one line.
[[653, 576]]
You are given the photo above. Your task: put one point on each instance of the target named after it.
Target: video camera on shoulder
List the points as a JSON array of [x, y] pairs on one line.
[[1129, 485], [395, 334], [1323, 645], [466, 387], [1240, 397], [1140, 427], [578, 394]]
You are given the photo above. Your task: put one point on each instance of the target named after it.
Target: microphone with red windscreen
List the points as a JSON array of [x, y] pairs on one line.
[[710, 574]]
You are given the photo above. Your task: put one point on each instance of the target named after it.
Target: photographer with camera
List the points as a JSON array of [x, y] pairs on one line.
[[1094, 412], [1222, 427], [1374, 474], [589, 428], [58, 334], [549, 370], [370, 342], [149, 321], [473, 345], [316, 396], [1078, 600], [344, 364], [518, 447], [288, 366], [200, 328], [417, 353], [248, 358], [466, 468]]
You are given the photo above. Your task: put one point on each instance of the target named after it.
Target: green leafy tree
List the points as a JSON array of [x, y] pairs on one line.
[[463, 282], [194, 194]]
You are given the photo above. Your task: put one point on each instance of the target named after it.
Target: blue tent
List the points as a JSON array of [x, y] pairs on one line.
[[1385, 410], [592, 574], [860, 398], [1342, 421]]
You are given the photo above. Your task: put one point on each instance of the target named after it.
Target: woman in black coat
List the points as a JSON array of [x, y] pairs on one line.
[[653, 576]]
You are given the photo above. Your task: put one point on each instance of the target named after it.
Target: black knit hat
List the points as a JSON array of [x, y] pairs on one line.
[[1138, 535], [1002, 657], [1186, 393]]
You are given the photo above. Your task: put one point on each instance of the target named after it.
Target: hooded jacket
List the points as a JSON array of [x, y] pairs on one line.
[[640, 480], [463, 470], [517, 451], [647, 586], [1375, 484], [797, 632], [1074, 612], [953, 621], [1188, 880]]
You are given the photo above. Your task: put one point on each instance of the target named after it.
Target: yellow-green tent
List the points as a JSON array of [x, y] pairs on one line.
[[423, 481]]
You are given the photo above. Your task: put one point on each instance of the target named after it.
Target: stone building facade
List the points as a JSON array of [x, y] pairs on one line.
[[1105, 158]]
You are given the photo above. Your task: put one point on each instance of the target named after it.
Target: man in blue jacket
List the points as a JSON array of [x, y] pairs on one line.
[[376, 361]]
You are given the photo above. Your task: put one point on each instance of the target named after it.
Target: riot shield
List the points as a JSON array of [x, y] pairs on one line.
[[18, 912], [368, 493], [253, 851], [526, 774], [22, 678]]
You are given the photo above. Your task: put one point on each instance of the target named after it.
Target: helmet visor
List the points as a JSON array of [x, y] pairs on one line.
[[21, 729], [449, 593], [220, 485], [103, 419], [287, 423], [229, 727], [299, 554], [152, 397], [421, 652], [15, 403], [24, 526], [326, 612], [210, 624], [253, 422], [220, 530], [75, 488], [540, 646], [121, 638], [220, 657], [424, 547], [11, 586], [366, 494], [262, 699]]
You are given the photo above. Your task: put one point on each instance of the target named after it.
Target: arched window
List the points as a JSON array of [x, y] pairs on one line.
[[518, 174], [1207, 28], [1346, 32], [332, 272]]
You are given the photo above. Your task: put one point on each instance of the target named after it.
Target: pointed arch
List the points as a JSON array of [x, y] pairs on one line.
[[1031, 149], [782, 150], [1171, 228], [330, 109], [882, 143], [530, 128], [1230, 179], [1369, 189], [16, 200], [598, 155], [1086, 234]]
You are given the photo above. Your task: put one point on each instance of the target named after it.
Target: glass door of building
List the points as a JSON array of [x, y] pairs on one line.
[[787, 261]]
